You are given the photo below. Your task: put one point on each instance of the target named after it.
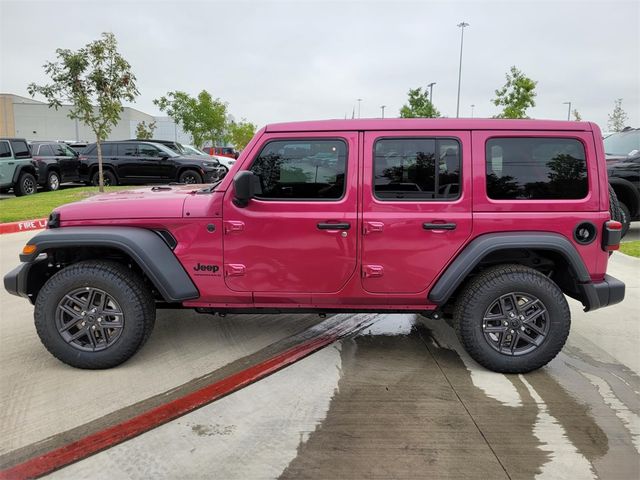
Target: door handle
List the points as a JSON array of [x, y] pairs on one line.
[[334, 226], [439, 226]]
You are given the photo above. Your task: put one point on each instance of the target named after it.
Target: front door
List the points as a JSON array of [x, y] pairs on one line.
[[416, 203], [300, 235]]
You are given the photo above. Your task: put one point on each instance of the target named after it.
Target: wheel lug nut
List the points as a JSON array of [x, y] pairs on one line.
[[512, 314], [512, 331], [84, 313], [99, 319], [522, 328], [93, 328], [521, 317]]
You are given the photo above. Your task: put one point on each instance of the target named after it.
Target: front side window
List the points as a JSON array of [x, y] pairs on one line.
[[127, 149], [416, 169], [302, 169], [536, 169], [148, 151]]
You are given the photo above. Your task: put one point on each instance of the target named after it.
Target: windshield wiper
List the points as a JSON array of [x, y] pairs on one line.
[[210, 188]]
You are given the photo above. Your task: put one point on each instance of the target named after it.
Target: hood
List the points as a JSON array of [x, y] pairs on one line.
[[161, 201]]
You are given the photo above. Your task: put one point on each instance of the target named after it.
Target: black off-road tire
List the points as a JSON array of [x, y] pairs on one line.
[[108, 178], [478, 295], [625, 218], [53, 181], [190, 177], [26, 185], [126, 287]]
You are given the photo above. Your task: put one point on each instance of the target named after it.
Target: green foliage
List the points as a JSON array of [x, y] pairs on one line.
[[618, 117], [96, 80], [631, 248], [576, 116], [204, 117], [516, 95], [418, 105], [144, 131], [241, 133]]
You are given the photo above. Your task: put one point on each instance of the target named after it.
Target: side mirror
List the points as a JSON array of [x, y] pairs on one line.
[[246, 185]]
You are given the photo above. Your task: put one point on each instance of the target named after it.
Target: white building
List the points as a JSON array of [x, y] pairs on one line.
[[27, 118]]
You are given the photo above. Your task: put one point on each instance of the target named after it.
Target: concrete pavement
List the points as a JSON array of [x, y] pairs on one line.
[[399, 400]]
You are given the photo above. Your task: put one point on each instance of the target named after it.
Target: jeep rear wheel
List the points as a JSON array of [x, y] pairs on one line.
[[512, 319], [94, 314], [26, 185]]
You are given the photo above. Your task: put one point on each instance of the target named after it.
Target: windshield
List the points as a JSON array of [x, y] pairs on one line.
[[622, 143], [191, 150], [167, 150]]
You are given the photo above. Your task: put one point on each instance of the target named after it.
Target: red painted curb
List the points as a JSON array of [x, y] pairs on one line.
[[23, 226], [155, 417]]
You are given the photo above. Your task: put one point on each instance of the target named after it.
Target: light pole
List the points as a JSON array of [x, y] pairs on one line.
[[569, 112], [431, 91], [359, 101], [461, 25], [382, 107], [472, 107]]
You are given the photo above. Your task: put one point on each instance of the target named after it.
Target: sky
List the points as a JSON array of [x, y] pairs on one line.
[[304, 60]]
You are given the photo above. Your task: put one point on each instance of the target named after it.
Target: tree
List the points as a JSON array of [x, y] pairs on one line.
[[96, 80], [204, 117], [516, 95], [241, 133], [576, 116], [618, 117], [144, 131], [418, 105]]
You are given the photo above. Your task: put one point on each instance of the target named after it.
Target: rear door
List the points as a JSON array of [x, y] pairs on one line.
[[416, 202]]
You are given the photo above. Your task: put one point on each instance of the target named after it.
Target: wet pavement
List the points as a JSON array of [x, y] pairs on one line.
[[397, 399]]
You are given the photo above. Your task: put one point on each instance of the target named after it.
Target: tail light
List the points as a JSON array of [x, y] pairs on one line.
[[83, 158], [611, 235]]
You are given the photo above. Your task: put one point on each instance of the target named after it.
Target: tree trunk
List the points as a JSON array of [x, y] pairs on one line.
[[100, 179]]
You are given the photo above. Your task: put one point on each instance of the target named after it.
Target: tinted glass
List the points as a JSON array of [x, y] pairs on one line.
[[44, 150], [91, 150], [109, 149], [62, 150], [536, 169], [4, 150], [127, 149], [417, 168], [302, 169], [20, 149], [148, 151]]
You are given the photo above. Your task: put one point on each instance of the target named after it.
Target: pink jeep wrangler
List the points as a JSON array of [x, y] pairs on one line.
[[491, 222]]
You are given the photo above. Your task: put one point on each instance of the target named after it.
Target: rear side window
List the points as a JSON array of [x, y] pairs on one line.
[[416, 169], [5, 151], [20, 149], [109, 149], [127, 150], [45, 151], [536, 169], [91, 150], [302, 169]]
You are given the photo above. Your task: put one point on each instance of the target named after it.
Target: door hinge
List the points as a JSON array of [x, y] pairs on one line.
[[233, 226], [371, 227], [370, 271], [234, 270]]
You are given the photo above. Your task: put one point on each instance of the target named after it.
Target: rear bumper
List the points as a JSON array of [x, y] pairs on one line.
[[601, 294]]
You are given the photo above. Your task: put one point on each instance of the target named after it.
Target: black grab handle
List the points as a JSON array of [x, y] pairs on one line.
[[334, 226], [439, 226]]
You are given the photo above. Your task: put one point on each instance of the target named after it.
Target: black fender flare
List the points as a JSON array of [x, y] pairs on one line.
[[147, 248], [28, 168], [479, 248]]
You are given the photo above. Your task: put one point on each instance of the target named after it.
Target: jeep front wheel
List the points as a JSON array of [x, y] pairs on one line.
[[94, 314], [512, 319]]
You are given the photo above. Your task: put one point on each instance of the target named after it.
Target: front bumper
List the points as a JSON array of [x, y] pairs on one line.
[[601, 294], [15, 282]]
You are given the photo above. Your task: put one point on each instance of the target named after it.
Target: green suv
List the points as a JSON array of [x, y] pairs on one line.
[[16, 167]]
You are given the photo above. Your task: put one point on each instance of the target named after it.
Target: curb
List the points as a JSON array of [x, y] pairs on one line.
[[23, 226]]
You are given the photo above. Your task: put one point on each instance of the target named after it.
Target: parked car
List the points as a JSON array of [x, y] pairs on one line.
[[490, 221], [622, 150], [226, 162], [17, 170], [56, 162], [141, 162], [221, 152]]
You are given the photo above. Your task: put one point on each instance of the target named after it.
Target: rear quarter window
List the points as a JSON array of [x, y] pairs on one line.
[[536, 169], [20, 149]]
